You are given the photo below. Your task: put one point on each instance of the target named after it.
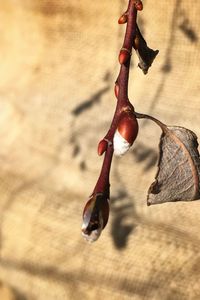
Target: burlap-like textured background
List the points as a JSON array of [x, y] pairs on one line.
[[58, 67]]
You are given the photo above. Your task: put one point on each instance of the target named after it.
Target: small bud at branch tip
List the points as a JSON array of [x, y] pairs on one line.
[[95, 216]]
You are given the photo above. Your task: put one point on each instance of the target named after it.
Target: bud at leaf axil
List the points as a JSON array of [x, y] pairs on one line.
[[116, 90], [125, 134], [124, 56], [102, 147], [123, 19]]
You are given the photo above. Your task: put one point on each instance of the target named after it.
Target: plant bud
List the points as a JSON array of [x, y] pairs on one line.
[[125, 134], [124, 56], [95, 217], [116, 90], [138, 5], [102, 147], [123, 19]]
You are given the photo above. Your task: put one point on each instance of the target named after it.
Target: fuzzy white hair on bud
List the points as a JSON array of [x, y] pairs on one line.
[[120, 145], [91, 236]]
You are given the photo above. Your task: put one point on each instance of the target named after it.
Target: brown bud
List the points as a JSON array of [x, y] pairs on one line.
[[124, 56], [102, 147], [128, 128], [116, 90], [138, 5], [123, 19], [95, 216]]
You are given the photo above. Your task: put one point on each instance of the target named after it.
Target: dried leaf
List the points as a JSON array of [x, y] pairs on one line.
[[178, 176], [145, 54]]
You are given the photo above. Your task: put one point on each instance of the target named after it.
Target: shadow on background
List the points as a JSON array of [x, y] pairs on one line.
[[179, 22], [124, 219], [71, 279]]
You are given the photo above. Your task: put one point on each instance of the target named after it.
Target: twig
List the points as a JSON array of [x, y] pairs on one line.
[[124, 124]]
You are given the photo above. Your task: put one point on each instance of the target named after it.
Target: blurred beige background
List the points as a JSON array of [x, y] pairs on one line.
[[58, 67]]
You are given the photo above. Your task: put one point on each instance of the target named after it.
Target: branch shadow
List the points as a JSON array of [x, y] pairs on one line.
[[18, 295], [186, 27], [25, 185], [124, 219], [146, 154], [88, 103], [78, 112], [158, 283], [124, 216], [180, 22], [73, 279]]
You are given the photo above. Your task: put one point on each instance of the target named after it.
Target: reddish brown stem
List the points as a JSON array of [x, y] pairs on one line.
[[103, 180], [123, 103], [128, 42], [92, 217], [122, 79]]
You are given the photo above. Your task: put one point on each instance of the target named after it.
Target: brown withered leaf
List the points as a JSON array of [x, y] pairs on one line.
[[178, 175], [145, 54]]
